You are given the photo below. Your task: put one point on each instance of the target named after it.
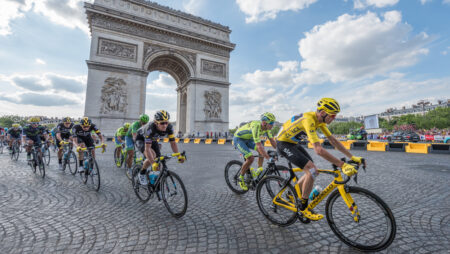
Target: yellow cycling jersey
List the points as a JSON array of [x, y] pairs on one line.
[[302, 126]]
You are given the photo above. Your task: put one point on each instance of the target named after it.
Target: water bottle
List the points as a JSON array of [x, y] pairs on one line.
[[86, 164], [315, 192], [153, 176], [65, 156]]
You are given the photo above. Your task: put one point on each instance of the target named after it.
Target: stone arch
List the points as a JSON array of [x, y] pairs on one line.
[[131, 38]]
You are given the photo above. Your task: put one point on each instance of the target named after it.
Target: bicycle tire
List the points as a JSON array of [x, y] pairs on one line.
[[32, 162], [94, 175], [143, 192], [1, 148], [41, 167], [46, 156], [232, 172], [169, 188], [72, 162], [265, 204], [341, 230]]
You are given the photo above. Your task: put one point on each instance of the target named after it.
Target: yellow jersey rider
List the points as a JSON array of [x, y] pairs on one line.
[[305, 125], [248, 137]]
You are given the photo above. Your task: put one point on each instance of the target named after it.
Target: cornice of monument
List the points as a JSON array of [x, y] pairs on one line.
[[182, 14], [95, 9], [117, 68]]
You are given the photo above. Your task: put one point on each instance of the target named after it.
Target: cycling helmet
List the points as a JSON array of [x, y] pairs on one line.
[[126, 126], [144, 118], [329, 105], [162, 115], [16, 125], [35, 120], [268, 117], [85, 122], [67, 120]]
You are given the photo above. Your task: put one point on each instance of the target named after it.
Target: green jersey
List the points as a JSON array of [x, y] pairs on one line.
[[121, 132], [252, 130], [133, 128]]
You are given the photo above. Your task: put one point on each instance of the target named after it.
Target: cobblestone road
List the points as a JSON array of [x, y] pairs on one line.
[[60, 214]]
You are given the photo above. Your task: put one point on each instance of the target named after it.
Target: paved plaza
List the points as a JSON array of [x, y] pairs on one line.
[[59, 214]]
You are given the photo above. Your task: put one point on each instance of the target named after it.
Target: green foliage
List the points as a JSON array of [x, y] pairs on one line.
[[343, 127], [438, 118], [232, 131], [7, 121]]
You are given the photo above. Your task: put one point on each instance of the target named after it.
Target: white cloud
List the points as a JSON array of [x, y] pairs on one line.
[[69, 13], [12, 9], [40, 61], [193, 6], [425, 1], [260, 10], [446, 1], [164, 80], [354, 47], [362, 4]]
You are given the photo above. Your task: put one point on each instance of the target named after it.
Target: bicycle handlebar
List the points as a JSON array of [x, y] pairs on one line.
[[95, 147], [169, 156], [357, 165]]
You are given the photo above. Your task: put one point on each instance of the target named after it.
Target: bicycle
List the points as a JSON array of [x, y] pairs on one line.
[[123, 154], [69, 157], [136, 160], [347, 217], [167, 186], [37, 160], [1, 146], [46, 153], [91, 171], [15, 150], [233, 171]]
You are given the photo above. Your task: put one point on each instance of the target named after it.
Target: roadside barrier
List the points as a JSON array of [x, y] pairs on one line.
[[347, 144], [197, 141], [396, 147], [187, 140], [177, 140], [208, 141], [359, 145], [417, 148], [440, 148], [267, 143], [376, 146], [165, 140], [221, 141]]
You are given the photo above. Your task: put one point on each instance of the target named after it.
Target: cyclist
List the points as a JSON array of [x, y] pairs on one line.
[[305, 125], [248, 137], [14, 133], [63, 132], [149, 135], [119, 138], [33, 134], [81, 134], [2, 134], [131, 137]]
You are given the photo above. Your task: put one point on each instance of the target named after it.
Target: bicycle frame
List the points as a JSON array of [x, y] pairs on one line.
[[338, 182]]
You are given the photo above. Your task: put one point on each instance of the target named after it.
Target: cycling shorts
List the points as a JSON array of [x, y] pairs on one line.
[[244, 146], [294, 153]]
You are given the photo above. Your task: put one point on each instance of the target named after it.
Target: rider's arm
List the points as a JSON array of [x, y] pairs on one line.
[[58, 137], [148, 154], [261, 150], [339, 146], [174, 146], [256, 132], [273, 143], [326, 155]]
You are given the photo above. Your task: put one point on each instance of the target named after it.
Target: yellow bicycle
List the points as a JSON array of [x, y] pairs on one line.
[[359, 217]]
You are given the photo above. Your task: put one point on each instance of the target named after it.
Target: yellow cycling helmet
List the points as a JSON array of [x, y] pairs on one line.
[[329, 105], [16, 125], [126, 126], [34, 120], [67, 120], [86, 122]]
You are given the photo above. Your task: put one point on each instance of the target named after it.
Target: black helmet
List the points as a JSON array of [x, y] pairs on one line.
[[162, 115]]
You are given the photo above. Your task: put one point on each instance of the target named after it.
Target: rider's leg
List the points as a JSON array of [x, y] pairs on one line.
[[130, 150], [248, 162]]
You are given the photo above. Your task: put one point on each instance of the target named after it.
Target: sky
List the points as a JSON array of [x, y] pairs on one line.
[[369, 55]]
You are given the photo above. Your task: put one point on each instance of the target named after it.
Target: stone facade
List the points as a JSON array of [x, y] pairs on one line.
[[131, 38]]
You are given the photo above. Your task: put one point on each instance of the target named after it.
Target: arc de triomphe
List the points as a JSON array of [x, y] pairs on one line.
[[131, 38]]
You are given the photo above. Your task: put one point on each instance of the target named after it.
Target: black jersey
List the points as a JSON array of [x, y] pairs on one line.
[[63, 130], [29, 131], [77, 131], [151, 133], [15, 132]]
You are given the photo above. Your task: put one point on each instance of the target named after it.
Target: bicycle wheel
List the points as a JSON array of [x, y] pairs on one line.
[[32, 162], [376, 228], [266, 190], [118, 159], [174, 194], [15, 153], [143, 192], [71, 162], [93, 178], [1, 147], [232, 173], [41, 167]]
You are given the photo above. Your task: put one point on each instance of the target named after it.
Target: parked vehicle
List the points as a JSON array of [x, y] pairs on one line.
[[411, 136]]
